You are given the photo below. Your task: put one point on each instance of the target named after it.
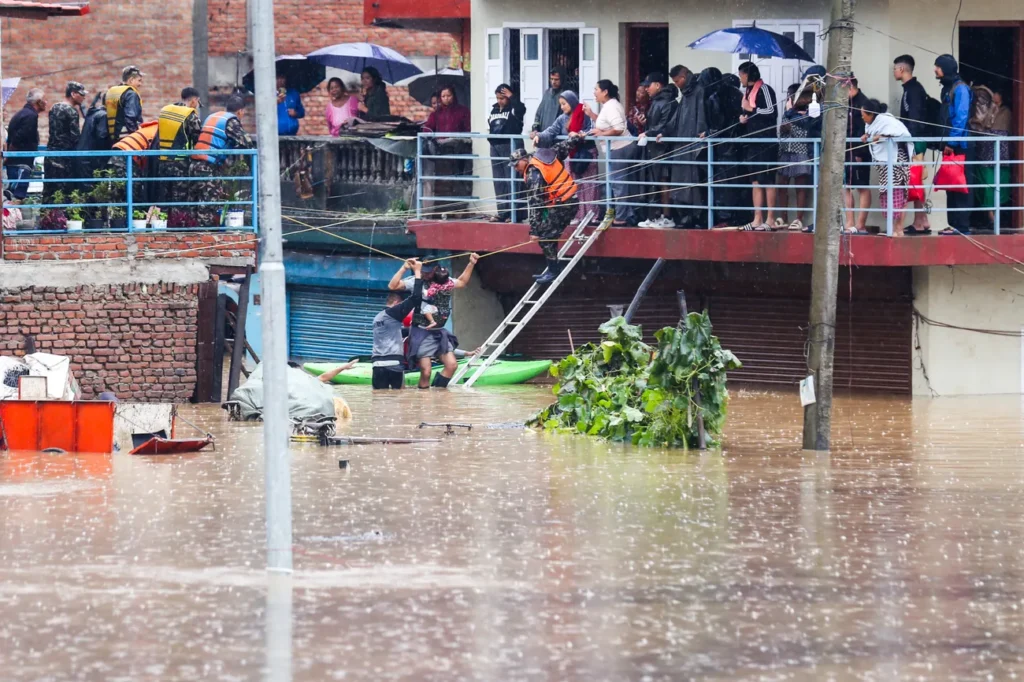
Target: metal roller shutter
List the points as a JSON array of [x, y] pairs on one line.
[[873, 338], [331, 324]]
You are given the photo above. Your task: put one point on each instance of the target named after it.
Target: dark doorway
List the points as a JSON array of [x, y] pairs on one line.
[[647, 51], [514, 63], [991, 55], [564, 51]]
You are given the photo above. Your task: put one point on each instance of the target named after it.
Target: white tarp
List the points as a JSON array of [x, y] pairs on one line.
[[60, 383], [308, 397]]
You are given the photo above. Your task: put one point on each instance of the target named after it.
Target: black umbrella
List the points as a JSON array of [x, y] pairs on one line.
[[300, 73], [423, 87]]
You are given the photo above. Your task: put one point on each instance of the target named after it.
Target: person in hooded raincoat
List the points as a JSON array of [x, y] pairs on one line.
[[549, 108], [688, 178], [722, 110]]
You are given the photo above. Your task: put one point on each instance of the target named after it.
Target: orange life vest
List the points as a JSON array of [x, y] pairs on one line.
[[140, 140], [560, 185]]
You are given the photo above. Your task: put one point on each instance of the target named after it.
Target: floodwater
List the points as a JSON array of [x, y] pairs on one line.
[[504, 554]]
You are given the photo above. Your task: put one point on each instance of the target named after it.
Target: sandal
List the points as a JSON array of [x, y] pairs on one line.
[[855, 231], [751, 227], [949, 232], [913, 231], [780, 224], [619, 223], [796, 226], [808, 229]]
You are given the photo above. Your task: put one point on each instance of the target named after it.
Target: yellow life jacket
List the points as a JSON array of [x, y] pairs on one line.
[[172, 128], [115, 114], [560, 185]]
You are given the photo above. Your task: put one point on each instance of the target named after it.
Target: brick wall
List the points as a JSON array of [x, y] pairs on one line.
[[132, 247], [156, 36], [136, 340]]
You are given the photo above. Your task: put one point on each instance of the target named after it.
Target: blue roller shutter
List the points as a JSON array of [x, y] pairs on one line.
[[327, 324]]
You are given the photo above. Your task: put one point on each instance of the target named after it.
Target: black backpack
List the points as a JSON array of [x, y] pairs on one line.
[[933, 115]]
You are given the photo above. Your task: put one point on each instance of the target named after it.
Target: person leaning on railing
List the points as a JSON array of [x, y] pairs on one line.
[[450, 117], [880, 125], [506, 118]]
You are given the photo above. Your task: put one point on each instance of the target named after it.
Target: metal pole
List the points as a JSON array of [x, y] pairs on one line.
[[512, 197], [998, 199], [277, 459], [609, 169], [419, 177], [890, 149], [711, 185], [828, 222], [201, 54], [130, 200]]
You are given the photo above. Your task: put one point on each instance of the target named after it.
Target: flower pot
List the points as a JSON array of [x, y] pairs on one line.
[[95, 223], [118, 223], [159, 225], [236, 219], [139, 225], [75, 226]]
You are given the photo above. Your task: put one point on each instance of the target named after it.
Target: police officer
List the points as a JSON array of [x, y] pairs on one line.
[[124, 105], [550, 190], [221, 130], [179, 128]]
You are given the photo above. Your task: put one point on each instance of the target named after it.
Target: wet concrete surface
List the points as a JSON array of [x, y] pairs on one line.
[[512, 555]]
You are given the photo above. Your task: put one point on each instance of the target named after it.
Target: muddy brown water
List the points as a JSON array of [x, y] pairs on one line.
[[511, 555]]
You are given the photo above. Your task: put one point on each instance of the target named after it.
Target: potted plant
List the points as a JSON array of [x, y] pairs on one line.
[[76, 212], [54, 219], [139, 220], [96, 216], [118, 218], [234, 214], [159, 221], [182, 219]]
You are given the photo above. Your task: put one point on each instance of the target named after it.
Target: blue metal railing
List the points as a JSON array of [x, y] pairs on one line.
[[111, 196], [722, 160]]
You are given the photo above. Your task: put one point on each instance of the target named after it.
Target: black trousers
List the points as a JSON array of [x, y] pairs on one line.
[[961, 220], [388, 377]]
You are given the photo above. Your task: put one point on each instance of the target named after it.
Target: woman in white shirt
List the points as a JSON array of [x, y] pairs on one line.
[[621, 154]]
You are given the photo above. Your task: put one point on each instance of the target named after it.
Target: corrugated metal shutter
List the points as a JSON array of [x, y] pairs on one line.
[[331, 324], [873, 338]]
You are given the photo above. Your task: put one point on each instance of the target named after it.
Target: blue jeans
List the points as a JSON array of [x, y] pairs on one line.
[[18, 178]]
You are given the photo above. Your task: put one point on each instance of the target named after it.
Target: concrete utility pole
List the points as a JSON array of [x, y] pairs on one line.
[[829, 224], [201, 53], [277, 469]]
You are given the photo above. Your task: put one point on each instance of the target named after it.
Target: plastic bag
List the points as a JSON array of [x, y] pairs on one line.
[[951, 176], [916, 192]]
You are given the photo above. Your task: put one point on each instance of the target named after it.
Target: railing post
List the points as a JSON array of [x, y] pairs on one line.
[[254, 166], [129, 162], [998, 199], [419, 176], [814, 192], [609, 166], [512, 190], [711, 184], [890, 152]]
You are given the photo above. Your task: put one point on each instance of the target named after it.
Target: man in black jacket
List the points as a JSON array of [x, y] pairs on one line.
[[914, 114], [506, 118], [660, 120], [858, 177], [23, 136]]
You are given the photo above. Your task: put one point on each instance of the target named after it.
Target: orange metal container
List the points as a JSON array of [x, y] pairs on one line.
[[71, 425]]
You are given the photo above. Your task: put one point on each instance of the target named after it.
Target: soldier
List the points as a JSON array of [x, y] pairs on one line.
[[65, 130], [179, 129], [143, 139], [124, 105], [550, 189], [222, 130]]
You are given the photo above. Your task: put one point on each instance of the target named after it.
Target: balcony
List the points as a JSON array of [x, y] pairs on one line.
[[452, 220]]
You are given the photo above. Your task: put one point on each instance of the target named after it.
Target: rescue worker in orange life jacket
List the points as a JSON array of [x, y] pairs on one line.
[[124, 105], [143, 139], [179, 128], [551, 193], [221, 130]]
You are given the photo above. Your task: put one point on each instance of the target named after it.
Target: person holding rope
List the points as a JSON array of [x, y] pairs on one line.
[[435, 343], [550, 192]]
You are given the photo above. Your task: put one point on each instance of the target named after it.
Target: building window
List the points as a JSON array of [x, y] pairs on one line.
[[494, 46]]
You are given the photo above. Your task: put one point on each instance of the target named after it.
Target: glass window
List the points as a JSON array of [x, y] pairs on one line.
[[588, 47], [494, 46], [532, 47], [811, 43]]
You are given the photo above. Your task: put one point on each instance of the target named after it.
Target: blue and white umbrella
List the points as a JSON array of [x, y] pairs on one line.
[[751, 40], [355, 57]]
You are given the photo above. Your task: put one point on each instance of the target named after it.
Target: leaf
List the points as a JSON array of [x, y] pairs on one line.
[[633, 414]]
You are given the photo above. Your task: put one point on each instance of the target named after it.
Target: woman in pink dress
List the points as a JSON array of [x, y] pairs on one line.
[[342, 108]]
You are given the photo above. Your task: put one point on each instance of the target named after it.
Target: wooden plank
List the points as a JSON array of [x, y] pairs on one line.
[[238, 347], [216, 393], [205, 342]]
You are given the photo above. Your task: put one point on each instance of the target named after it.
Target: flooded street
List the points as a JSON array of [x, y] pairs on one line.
[[502, 554]]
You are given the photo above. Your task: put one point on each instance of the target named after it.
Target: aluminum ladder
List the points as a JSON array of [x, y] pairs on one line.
[[523, 312]]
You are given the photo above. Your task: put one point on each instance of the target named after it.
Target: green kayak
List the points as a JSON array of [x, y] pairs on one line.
[[501, 373]]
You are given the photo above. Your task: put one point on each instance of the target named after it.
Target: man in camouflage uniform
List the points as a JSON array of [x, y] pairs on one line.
[[550, 192], [209, 166], [64, 132], [179, 166]]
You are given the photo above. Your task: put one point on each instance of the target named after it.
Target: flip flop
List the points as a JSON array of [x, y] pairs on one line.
[[796, 226], [949, 232], [808, 229], [855, 232], [913, 231]]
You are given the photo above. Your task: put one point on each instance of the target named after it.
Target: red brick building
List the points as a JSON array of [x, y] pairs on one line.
[[93, 49]]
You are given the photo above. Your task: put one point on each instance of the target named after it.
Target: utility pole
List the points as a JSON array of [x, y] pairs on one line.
[[829, 224], [277, 459], [201, 54]]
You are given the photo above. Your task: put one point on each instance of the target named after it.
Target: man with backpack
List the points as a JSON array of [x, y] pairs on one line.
[[914, 115], [953, 120]]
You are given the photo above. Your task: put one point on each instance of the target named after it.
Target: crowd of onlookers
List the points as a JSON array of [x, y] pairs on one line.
[[763, 149]]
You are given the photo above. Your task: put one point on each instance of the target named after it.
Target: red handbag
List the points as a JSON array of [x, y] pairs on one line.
[[951, 176], [916, 192]]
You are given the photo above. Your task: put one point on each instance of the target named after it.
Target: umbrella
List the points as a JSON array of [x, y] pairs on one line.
[[300, 73], [9, 86], [421, 88], [355, 57], [751, 40]]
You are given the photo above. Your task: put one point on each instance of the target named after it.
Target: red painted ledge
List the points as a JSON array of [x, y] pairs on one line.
[[732, 246]]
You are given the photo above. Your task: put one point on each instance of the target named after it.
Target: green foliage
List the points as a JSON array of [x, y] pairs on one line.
[[622, 390], [76, 211]]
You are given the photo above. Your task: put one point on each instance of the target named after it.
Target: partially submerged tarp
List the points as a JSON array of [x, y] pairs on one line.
[[60, 382], [308, 397]]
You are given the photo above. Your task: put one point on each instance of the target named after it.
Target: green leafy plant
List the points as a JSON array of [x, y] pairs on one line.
[[623, 390], [76, 210], [138, 215]]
